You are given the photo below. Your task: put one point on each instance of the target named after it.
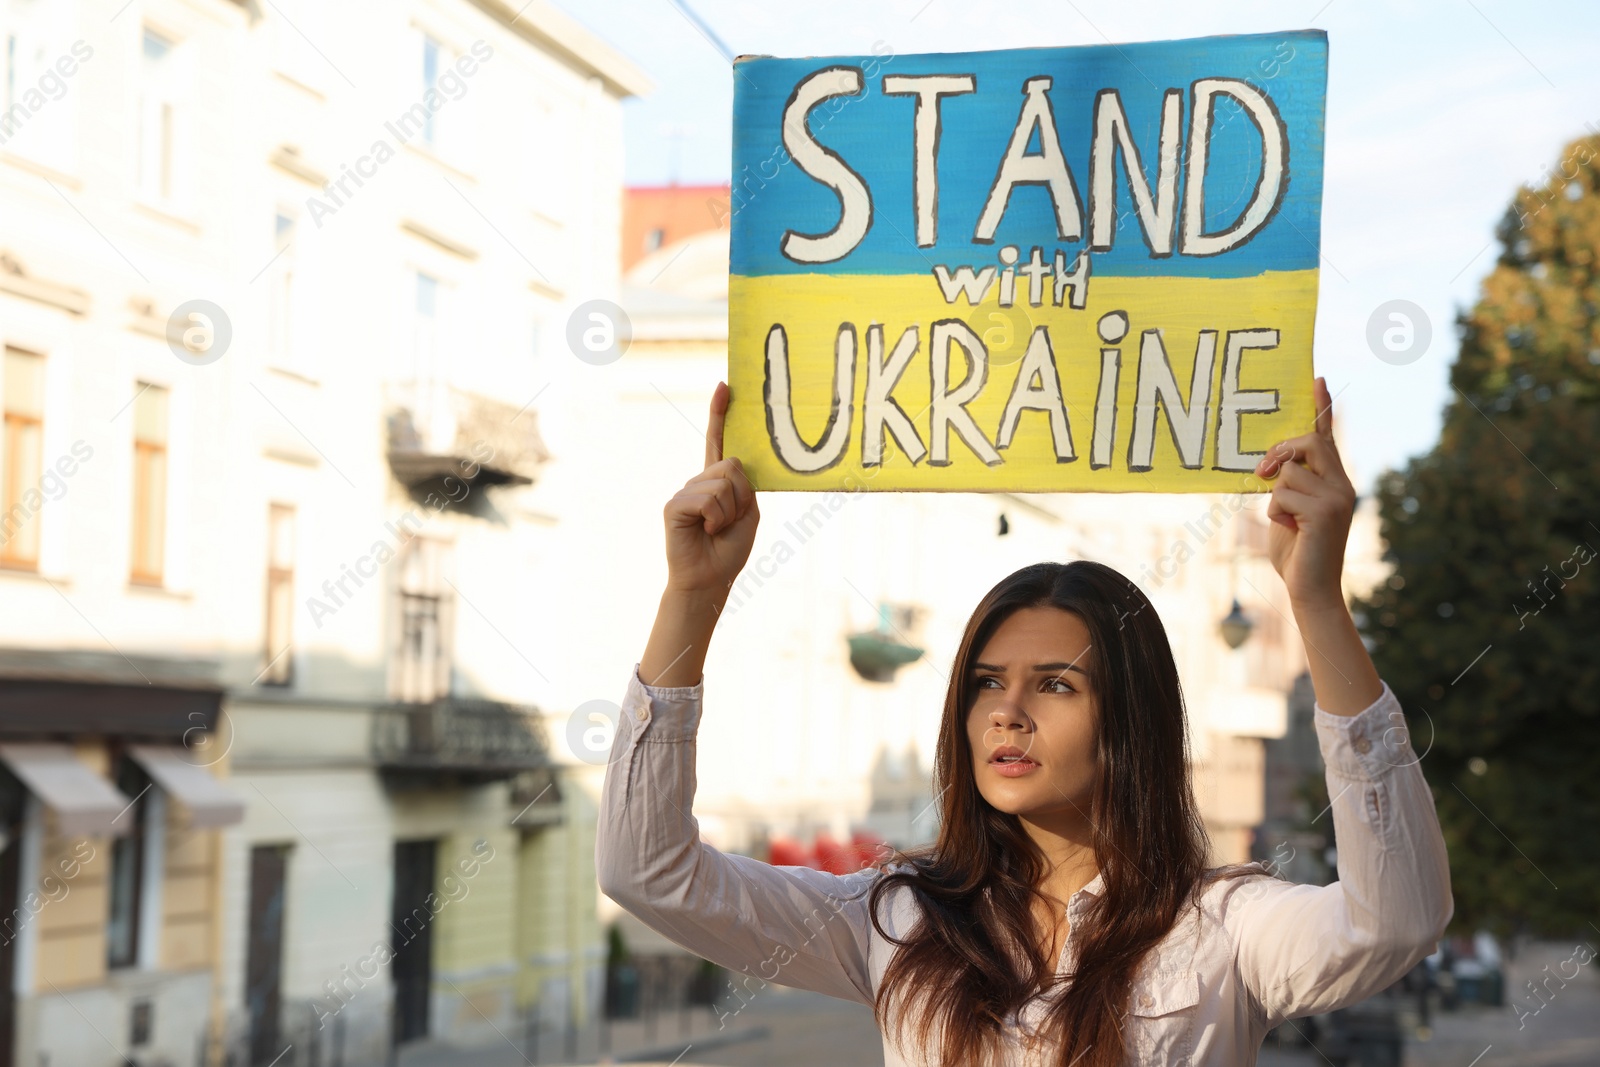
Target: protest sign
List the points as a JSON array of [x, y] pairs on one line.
[[1034, 270]]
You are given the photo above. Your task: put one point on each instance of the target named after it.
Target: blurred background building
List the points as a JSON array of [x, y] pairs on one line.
[[267, 711]]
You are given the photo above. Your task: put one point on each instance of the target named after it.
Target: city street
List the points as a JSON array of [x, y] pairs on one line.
[[790, 1028], [1562, 1033], [779, 1028]]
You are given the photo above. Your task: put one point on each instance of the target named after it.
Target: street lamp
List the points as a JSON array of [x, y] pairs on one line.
[[1236, 626]]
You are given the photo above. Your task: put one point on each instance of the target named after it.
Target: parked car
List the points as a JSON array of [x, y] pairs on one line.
[[1468, 970]]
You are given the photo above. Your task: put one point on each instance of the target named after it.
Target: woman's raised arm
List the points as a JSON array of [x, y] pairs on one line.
[[711, 526], [790, 925], [1311, 509], [1304, 949]]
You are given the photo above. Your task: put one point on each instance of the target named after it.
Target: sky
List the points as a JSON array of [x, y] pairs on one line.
[[1438, 110]]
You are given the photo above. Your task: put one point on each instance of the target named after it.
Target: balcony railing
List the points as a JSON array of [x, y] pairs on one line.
[[436, 431], [482, 740]]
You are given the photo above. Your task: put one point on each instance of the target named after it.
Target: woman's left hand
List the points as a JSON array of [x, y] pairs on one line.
[[1310, 510]]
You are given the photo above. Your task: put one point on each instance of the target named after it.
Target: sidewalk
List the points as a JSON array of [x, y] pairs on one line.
[[787, 1028], [1563, 1032], [635, 1041]]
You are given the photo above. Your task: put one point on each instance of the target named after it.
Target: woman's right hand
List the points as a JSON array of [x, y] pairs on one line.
[[711, 522]]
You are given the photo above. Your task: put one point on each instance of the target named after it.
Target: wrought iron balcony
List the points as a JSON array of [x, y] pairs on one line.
[[436, 431], [878, 653], [466, 739]]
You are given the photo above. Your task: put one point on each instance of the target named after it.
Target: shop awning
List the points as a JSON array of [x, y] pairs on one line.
[[207, 802], [82, 803]]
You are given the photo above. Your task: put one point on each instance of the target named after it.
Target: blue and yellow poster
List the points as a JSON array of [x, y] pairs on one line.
[[1032, 270]]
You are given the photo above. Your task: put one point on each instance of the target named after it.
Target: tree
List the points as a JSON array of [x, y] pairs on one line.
[[1489, 628]]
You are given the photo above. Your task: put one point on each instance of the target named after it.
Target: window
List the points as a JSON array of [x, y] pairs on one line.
[[280, 293], [158, 133], [126, 888], [36, 119], [440, 119], [422, 665], [149, 483], [280, 597], [22, 454], [427, 296], [432, 54], [423, 377]]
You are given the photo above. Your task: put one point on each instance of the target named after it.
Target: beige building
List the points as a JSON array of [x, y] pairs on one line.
[[279, 306]]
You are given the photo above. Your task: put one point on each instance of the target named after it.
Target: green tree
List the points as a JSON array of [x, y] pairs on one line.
[[1489, 629]]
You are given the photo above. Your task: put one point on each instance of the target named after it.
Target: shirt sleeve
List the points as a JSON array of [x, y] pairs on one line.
[[1304, 949], [791, 925]]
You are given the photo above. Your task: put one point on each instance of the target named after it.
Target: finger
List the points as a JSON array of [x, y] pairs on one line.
[[1301, 479], [732, 468], [726, 510], [689, 497], [1312, 449], [1287, 506], [726, 467], [708, 509], [686, 509], [719, 414], [1324, 402], [1277, 513], [725, 492], [744, 494], [1333, 495]]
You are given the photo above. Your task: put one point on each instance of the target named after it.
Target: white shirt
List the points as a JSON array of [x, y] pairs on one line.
[[1260, 950]]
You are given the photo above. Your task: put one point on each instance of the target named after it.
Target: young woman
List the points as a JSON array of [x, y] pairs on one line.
[[1065, 916]]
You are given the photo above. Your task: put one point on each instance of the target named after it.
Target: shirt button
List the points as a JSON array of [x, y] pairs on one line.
[[644, 713], [1146, 1000], [1363, 746]]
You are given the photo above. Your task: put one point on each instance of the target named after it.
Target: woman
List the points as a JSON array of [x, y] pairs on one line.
[[1065, 915]]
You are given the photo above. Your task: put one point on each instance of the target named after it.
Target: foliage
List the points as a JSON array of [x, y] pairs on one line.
[[1495, 538]]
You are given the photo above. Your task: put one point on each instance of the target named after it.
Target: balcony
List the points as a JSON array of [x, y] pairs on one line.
[[462, 740], [436, 431], [878, 653]]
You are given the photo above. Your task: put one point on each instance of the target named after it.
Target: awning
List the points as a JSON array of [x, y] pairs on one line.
[[83, 803], [207, 802]]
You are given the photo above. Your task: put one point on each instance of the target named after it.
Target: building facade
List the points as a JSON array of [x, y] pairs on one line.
[[280, 302]]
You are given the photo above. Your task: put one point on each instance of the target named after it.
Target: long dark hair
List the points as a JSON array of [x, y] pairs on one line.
[[973, 958]]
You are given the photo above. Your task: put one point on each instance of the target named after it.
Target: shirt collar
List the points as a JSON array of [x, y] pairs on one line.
[[1096, 888]]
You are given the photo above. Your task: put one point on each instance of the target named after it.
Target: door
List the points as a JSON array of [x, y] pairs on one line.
[[13, 805], [10, 873], [412, 928], [263, 968]]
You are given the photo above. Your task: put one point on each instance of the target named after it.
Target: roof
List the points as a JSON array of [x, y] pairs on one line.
[[545, 25], [677, 187]]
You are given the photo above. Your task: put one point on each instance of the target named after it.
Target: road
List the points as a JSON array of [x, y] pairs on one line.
[[1561, 1030], [789, 1028], [806, 1029]]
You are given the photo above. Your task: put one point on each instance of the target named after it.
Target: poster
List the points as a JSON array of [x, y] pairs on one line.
[[1033, 270]]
